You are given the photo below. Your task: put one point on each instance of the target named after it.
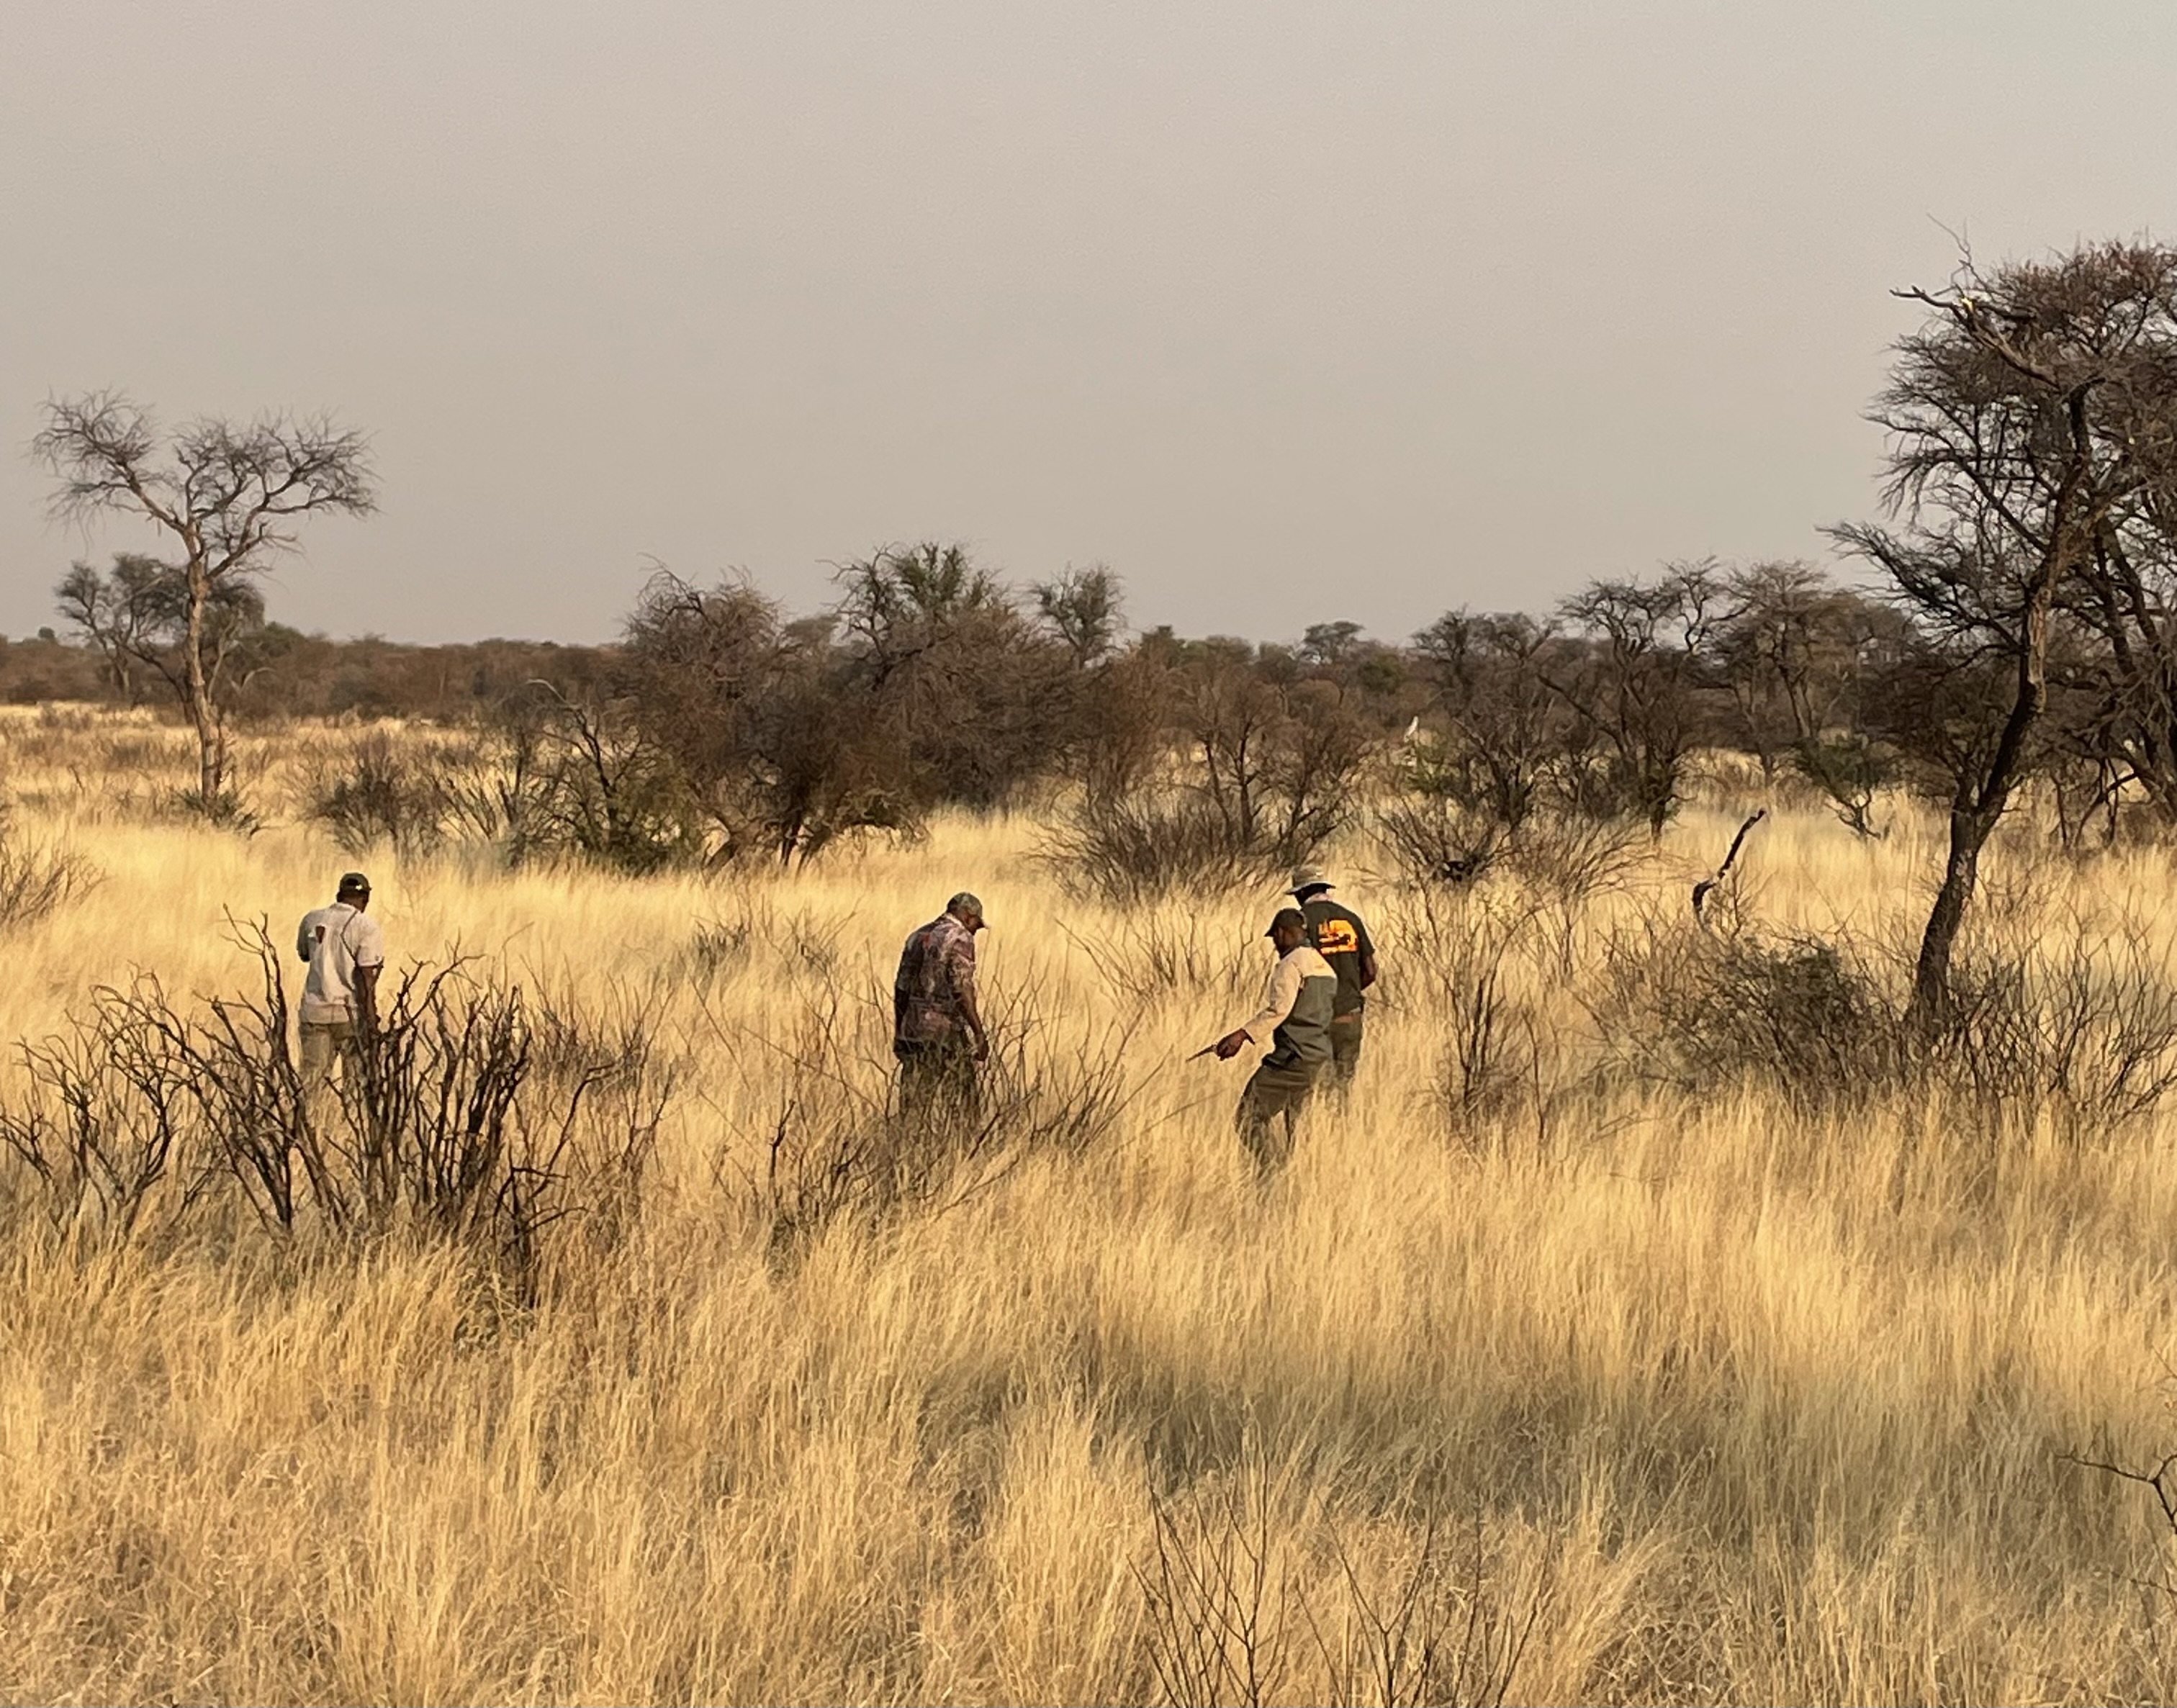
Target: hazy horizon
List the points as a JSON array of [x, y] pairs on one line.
[[1286, 317]]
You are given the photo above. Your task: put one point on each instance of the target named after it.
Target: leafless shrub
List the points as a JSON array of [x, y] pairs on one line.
[[2084, 1021], [1436, 1628], [839, 1148], [607, 1069], [1565, 862], [246, 1088], [381, 794], [1176, 952], [229, 810], [1218, 1592], [99, 1128], [1434, 840], [437, 1127], [1708, 1014], [37, 881], [1224, 1594], [1454, 950], [1138, 848], [2081, 1022], [752, 927]]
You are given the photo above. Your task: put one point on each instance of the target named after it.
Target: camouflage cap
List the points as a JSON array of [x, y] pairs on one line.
[[967, 902]]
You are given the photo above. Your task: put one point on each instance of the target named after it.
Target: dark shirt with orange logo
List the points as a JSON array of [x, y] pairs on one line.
[[1342, 940]]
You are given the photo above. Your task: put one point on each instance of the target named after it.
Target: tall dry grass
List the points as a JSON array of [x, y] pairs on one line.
[[1594, 1387]]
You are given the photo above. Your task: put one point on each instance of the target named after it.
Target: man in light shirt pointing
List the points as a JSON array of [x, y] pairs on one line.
[[1295, 1022], [347, 951]]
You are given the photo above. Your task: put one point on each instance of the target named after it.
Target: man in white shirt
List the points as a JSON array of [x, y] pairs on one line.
[[347, 951], [1294, 1022]]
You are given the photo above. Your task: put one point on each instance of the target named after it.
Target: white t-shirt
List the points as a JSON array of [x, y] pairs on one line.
[[335, 941]]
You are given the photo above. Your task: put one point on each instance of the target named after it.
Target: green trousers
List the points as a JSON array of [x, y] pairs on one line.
[[1270, 1109], [938, 1078], [1344, 1048]]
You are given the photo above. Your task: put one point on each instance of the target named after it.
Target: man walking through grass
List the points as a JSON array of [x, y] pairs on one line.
[[345, 951], [937, 1027], [1341, 939], [1294, 1021]]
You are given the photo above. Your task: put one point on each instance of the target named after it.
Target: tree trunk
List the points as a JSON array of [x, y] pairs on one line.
[[1974, 812], [1931, 975], [211, 737]]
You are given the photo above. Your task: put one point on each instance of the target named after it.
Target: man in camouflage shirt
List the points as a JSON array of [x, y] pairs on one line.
[[937, 1027]]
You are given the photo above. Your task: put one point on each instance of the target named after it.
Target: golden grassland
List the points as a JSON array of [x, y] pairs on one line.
[[1684, 1398]]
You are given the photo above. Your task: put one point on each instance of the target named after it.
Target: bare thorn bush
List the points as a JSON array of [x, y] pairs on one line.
[[37, 881], [382, 793], [433, 1129]]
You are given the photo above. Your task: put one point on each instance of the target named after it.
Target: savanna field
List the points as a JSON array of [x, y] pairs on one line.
[[1624, 1338]]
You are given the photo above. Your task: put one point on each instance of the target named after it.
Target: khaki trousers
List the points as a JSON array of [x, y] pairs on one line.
[[323, 1042]]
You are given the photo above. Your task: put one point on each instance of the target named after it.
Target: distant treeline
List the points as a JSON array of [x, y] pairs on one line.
[[2022, 632], [287, 673]]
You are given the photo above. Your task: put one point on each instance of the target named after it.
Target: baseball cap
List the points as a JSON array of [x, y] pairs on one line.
[[967, 902], [354, 883], [1291, 917]]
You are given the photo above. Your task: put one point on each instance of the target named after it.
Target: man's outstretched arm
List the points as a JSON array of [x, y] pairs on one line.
[[1278, 995]]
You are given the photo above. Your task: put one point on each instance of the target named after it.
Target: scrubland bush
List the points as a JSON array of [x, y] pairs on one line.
[[1141, 848], [36, 881], [385, 792], [441, 1125]]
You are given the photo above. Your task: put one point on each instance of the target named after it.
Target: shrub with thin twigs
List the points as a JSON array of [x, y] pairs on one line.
[[840, 1147], [36, 881], [1136, 848], [1235, 1578], [98, 1131], [1710, 1012], [2082, 1024], [2083, 1021], [383, 793], [438, 1126], [1434, 840]]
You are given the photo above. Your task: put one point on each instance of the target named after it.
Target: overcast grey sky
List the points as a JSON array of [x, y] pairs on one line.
[[1288, 312]]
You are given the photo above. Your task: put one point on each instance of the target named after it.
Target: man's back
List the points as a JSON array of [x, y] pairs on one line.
[[1342, 940], [336, 941], [936, 971]]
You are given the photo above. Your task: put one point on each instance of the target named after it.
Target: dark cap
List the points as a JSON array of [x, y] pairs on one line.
[[354, 884], [1291, 917]]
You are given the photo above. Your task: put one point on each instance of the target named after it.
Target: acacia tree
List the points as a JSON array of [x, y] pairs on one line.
[[136, 615], [1638, 688], [1795, 651], [230, 494], [1506, 728], [2012, 414]]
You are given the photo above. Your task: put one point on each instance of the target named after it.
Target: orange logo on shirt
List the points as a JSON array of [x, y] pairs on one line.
[[1336, 937]]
